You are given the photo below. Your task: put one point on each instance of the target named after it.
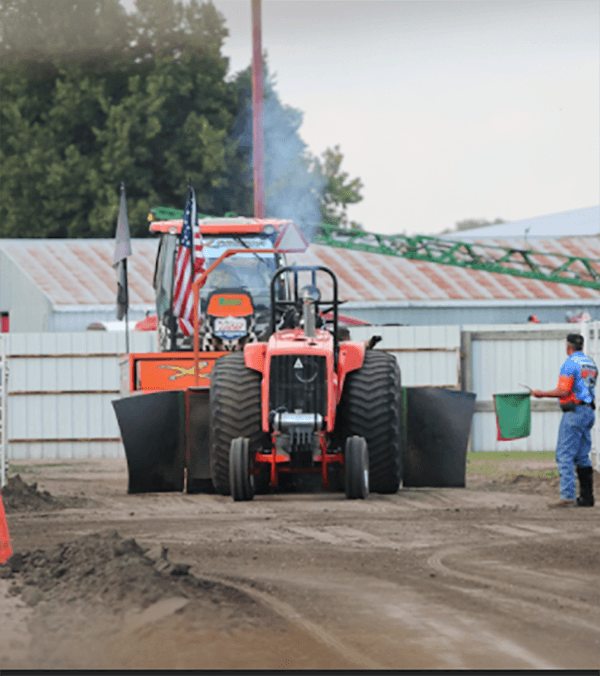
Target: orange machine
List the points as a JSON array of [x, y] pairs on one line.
[[264, 388], [165, 432], [305, 403]]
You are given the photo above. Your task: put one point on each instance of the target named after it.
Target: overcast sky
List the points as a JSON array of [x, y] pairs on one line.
[[445, 109]]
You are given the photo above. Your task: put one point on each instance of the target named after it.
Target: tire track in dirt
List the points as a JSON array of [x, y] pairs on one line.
[[289, 613], [512, 589]]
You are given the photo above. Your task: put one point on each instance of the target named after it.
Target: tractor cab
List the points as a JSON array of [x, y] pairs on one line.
[[235, 299]]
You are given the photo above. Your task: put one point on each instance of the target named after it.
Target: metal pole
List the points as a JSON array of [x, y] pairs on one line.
[[258, 140], [126, 309]]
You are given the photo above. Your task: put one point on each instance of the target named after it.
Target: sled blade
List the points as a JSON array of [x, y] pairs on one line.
[[437, 428], [153, 432]]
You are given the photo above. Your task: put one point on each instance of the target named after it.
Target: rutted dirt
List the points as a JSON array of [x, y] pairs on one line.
[[481, 577]]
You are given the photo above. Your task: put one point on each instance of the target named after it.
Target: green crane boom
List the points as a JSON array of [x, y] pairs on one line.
[[540, 265]]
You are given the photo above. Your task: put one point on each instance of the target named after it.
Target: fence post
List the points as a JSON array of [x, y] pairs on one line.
[[3, 411]]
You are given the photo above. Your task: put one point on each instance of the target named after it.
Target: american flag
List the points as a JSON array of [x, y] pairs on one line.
[[189, 265]]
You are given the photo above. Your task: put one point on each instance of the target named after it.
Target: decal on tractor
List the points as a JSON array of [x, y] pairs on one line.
[[183, 370]]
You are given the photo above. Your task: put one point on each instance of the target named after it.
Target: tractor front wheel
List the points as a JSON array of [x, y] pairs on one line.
[[370, 408], [235, 411], [241, 480], [356, 468]]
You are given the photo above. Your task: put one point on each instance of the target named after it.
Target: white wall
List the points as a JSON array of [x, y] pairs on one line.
[[60, 388]]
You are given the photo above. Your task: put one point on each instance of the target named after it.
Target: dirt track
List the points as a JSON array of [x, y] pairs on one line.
[[481, 577]]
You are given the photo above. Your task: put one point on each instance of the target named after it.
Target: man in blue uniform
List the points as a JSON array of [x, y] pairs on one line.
[[575, 393]]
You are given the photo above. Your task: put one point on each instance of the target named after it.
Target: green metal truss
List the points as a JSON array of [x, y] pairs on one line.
[[545, 267]]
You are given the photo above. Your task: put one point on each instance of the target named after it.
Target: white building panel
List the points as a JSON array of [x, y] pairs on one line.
[[428, 356], [60, 389]]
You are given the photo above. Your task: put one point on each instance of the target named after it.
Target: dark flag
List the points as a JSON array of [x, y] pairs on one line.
[[122, 250]]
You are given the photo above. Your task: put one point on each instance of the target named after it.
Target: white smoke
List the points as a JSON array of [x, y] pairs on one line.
[[293, 184]]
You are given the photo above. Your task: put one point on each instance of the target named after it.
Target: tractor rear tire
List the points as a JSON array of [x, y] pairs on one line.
[[241, 481], [356, 468], [371, 408], [235, 411]]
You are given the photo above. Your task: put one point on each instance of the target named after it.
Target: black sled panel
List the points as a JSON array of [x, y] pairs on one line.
[[437, 424], [153, 432], [198, 442]]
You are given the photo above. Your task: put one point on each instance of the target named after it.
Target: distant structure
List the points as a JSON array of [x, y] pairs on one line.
[[575, 223], [68, 285]]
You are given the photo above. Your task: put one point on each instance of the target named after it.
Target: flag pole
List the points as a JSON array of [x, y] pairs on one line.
[[122, 251], [126, 309]]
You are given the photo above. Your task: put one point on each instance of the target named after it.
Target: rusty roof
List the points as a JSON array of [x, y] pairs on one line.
[[79, 272]]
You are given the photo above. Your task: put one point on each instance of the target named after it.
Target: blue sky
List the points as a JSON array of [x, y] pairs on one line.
[[445, 109]]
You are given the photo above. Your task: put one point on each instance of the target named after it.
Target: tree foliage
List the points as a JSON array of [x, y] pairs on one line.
[[339, 190], [91, 96], [104, 97]]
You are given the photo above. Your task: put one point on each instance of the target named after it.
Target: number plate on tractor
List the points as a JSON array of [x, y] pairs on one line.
[[230, 327]]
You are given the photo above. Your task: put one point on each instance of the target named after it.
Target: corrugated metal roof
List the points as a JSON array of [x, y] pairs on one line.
[[375, 277], [580, 222], [80, 272]]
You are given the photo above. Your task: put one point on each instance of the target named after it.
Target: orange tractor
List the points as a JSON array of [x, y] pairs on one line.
[[305, 403], [265, 391], [165, 432]]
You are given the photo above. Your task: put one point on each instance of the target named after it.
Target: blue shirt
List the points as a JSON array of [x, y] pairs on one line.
[[578, 376]]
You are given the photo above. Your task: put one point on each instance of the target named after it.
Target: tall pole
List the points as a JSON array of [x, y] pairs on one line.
[[126, 309], [257, 112]]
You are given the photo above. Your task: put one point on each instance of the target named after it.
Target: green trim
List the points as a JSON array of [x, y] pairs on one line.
[[557, 268]]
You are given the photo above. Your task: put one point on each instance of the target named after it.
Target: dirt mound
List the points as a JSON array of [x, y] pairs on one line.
[[537, 482], [103, 567], [17, 496]]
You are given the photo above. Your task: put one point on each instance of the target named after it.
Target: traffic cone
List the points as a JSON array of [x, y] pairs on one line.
[[5, 548]]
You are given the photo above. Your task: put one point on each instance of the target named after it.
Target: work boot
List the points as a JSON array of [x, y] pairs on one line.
[[563, 503], [586, 486]]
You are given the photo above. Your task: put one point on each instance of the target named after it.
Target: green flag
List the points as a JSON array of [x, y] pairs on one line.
[[513, 415]]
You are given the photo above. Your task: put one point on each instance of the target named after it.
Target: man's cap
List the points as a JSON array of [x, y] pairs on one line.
[[576, 340], [533, 318]]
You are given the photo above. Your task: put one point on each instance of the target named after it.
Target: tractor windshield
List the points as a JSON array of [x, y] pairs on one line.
[[249, 271]]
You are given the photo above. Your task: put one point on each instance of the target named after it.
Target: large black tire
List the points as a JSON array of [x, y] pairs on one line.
[[371, 408], [235, 411], [241, 481], [356, 468]]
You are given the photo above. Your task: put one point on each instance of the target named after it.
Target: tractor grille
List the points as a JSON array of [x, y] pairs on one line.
[[296, 388]]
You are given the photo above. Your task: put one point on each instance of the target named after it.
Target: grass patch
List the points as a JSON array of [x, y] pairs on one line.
[[494, 464]]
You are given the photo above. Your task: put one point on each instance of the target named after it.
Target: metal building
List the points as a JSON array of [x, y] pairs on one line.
[[60, 285], [394, 290], [65, 285], [577, 222]]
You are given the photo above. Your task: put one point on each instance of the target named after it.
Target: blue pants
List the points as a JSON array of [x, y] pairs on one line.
[[573, 447]]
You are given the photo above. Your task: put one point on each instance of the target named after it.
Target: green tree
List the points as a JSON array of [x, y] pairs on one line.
[[153, 111], [339, 191]]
